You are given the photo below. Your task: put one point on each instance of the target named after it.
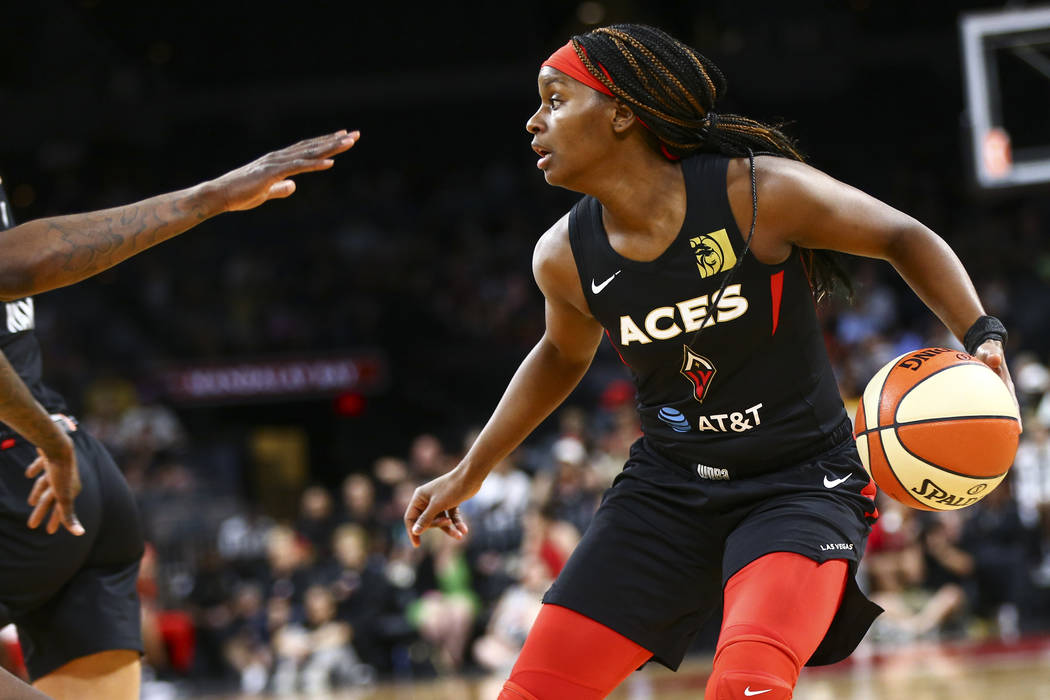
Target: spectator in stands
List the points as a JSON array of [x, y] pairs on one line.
[[317, 519], [315, 655], [426, 457], [447, 605], [365, 597], [570, 486], [288, 559], [1031, 470], [497, 512], [247, 645], [497, 509], [893, 563], [947, 567], [1003, 550], [358, 502], [512, 617]]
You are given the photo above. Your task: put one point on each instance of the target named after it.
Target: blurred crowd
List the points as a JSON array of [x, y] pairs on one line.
[[336, 595]]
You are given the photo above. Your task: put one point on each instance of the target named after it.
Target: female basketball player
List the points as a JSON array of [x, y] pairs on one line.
[[72, 594], [697, 249]]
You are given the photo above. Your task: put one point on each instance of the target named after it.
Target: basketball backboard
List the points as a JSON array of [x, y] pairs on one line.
[[1006, 64]]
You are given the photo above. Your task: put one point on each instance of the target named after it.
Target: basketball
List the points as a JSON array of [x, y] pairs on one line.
[[937, 429]]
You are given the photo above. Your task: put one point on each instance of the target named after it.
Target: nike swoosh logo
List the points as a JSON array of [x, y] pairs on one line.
[[748, 692], [828, 483], [597, 288]]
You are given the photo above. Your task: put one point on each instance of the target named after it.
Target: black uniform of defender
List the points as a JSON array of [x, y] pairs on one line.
[[68, 596], [747, 448]]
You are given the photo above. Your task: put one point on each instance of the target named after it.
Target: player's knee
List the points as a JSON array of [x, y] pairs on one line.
[[746, 684], [753, 665], [541, 685]]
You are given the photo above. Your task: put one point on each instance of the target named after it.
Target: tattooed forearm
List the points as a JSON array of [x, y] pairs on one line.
[[48, 253], [28, 418], [58, 251]]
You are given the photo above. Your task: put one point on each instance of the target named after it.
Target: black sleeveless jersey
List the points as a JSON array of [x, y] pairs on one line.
[[17, 337], [736, 390]]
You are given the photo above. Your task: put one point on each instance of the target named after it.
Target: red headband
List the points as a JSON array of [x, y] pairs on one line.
[[568, 62]]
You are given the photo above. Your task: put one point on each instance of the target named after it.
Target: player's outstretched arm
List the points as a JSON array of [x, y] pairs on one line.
[[546, 376], [57, 251], [59, 482]]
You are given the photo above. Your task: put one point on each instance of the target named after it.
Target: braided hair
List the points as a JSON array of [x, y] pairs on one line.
[[673, 90]]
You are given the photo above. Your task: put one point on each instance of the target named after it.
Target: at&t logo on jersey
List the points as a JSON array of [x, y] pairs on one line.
[[666, 322], [674, 418], [731, 422], [714, 253], [699, 371], [734, 421]]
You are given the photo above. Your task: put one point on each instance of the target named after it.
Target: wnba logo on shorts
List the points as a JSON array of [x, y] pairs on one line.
[[713, 473]]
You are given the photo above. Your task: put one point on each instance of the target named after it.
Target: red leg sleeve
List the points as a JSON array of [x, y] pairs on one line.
[[567, 655], [777, 610]]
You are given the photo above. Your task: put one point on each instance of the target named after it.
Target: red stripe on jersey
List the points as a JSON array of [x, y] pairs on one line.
[[609, 336], [7, 444], [776, 290]]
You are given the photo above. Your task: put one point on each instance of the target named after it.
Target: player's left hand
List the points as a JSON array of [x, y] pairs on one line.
[[990, 352], [56, 488], [435, 504]]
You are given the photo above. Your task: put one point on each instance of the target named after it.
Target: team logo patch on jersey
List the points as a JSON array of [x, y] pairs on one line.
[[699, 371], [714, 253]]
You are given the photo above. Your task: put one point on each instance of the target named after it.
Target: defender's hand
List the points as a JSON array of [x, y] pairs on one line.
[[436, 504], [267, 178], [57, 484]]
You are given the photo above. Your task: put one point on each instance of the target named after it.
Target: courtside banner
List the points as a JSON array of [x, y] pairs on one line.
[[277, 379]]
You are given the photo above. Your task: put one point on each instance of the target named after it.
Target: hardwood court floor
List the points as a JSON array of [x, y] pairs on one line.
[[917, 672]]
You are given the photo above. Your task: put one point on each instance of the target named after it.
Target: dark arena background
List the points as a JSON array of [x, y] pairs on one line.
[[274, 384]]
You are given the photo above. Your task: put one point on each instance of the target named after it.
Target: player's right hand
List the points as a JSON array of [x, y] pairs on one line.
[[267, 177], [436, 504], [991, 353], [56, 488]]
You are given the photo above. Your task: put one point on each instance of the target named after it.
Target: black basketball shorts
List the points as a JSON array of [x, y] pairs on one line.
[[69, 596], [653, 563]]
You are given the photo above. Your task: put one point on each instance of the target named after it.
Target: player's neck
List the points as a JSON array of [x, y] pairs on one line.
[[635, 198]]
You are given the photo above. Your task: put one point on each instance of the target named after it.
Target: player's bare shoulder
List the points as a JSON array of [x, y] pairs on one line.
[[554, 267], [775, 175], [781, 183]]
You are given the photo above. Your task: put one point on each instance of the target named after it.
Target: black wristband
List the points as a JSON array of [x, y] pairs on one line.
[[982, 329]]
